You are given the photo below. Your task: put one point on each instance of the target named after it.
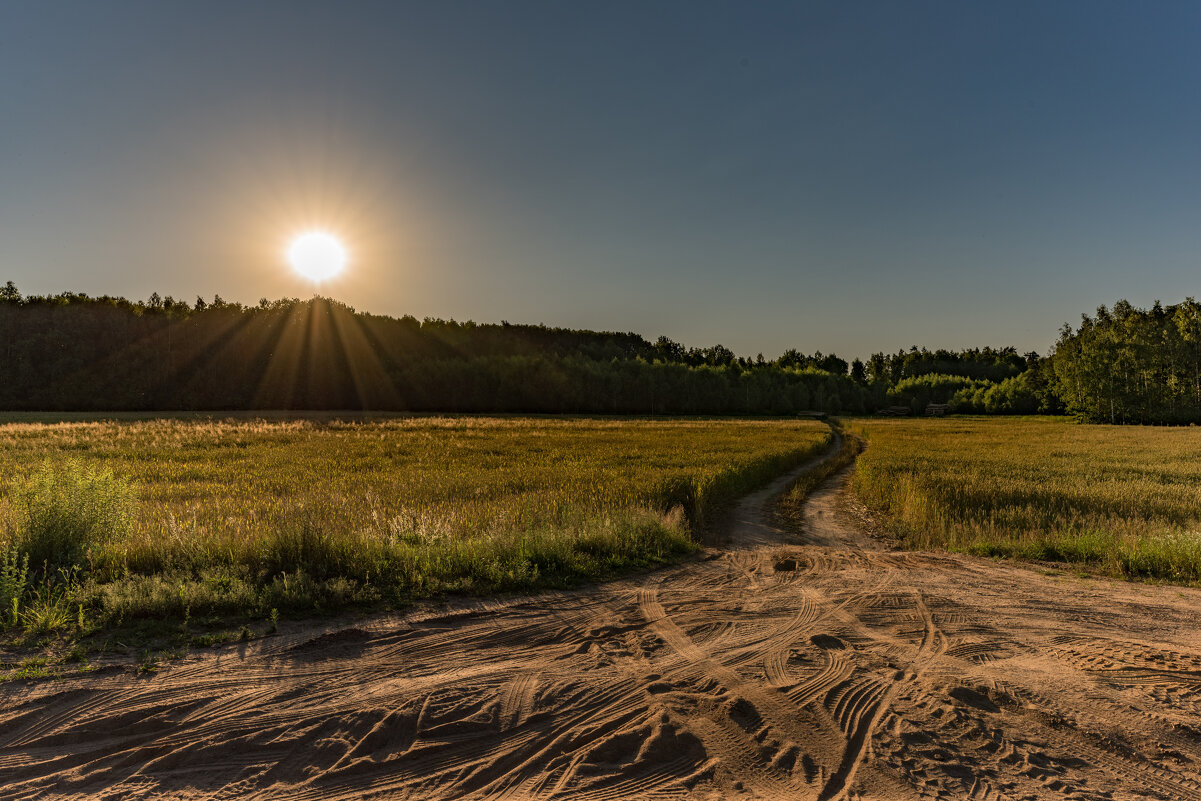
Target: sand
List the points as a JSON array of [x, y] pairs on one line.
[[822, 666]]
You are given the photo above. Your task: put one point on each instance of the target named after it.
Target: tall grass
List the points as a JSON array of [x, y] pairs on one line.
[[241, 517], [1125, 500]]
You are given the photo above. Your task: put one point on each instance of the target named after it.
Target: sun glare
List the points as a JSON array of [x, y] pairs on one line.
[[317, 255]]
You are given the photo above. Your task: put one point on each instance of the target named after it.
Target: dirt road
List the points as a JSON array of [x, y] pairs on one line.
[[827, 668]]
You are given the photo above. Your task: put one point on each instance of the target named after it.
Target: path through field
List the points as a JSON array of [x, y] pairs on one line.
[[827, 668]]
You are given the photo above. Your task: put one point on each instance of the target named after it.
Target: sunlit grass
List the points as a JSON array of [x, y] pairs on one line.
[[1124, 499], [250, 517]]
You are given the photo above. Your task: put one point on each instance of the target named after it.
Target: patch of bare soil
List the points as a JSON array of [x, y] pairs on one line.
[[828, 668]]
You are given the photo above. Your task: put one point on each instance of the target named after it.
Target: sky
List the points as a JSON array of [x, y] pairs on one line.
[[847, 177]]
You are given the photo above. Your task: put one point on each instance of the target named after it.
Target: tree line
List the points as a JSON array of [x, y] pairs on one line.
[[1121, 365], [75, 352]]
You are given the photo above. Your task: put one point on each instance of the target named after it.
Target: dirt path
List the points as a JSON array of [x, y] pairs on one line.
[[779, 668]]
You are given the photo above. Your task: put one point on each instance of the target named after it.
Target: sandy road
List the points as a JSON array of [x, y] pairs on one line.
[[821, 667]]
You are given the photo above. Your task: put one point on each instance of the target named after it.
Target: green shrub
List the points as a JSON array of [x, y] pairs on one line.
[[64, 513]]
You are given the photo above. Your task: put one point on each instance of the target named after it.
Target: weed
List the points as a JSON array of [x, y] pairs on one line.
[[48, 610], [32, 668], [149, 663], [14, 577]]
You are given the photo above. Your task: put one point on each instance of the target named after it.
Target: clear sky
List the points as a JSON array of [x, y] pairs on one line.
[[842, 176]]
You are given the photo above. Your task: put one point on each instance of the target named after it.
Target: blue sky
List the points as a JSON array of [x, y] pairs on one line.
[[845, 177]]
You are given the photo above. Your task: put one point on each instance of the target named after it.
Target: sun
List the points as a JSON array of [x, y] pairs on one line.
[[317, 255]]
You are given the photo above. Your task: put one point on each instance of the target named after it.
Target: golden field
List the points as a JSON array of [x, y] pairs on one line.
[[193, 518], [1123, 499]]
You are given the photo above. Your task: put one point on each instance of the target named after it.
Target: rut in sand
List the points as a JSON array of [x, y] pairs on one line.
[[813, 667]]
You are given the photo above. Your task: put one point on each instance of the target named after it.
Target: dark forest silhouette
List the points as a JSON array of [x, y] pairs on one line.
[[75, 352]]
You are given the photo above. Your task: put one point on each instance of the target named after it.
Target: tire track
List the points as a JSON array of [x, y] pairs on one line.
[[868, 706]]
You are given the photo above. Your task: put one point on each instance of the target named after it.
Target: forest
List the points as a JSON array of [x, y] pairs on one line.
[[73, 352]]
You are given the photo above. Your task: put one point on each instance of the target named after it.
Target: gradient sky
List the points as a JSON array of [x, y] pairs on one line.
[[843, 176]]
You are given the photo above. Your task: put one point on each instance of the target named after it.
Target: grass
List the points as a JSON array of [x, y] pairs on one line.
[[187, 528], [1122, 500]]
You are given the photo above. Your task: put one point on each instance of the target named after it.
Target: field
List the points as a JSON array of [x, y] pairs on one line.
[[827, 666], [198, 520], [1122, 500]]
